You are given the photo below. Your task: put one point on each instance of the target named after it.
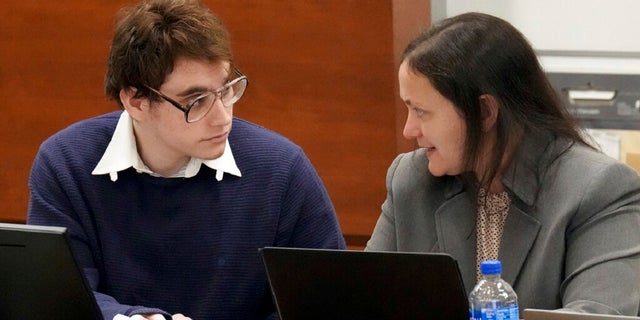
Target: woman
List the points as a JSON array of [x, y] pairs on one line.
[[503, 172]]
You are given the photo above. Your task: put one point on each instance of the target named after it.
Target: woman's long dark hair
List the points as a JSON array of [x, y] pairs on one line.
[[473, 54]]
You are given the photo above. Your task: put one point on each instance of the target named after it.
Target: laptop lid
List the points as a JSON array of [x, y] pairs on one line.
[[342, 284], [537, 314], [39, 277]]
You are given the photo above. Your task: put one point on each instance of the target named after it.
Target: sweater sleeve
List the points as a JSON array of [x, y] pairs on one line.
[[50, 204], [308, 208]]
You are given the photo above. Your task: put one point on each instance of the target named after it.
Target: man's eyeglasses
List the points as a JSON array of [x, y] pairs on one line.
[[197, 108]]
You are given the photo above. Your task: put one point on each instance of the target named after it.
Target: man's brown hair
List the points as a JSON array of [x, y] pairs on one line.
[[150, 36]]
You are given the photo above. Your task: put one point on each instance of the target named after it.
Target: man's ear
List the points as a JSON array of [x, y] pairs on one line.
[[137, 107], [489, 109]]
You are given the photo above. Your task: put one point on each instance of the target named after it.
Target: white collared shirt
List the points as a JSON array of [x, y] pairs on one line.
[[122, 154]]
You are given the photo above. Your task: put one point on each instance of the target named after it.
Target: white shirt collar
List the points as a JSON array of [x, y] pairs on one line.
[[122, 153]]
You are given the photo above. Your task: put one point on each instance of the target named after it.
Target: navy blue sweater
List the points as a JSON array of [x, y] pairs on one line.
[[150, 244]]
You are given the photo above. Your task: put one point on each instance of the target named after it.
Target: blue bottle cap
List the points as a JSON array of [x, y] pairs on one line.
[[490, 267]]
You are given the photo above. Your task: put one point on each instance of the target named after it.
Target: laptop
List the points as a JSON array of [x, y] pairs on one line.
[[344, 284], [538, 314], [39, 277]]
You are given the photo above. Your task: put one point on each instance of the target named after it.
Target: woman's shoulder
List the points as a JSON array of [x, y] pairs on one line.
[[584, 168], [590, 160], [410, 171], [412, 163]]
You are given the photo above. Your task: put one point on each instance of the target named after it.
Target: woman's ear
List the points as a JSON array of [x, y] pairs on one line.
[[137, 107], [489, 109]]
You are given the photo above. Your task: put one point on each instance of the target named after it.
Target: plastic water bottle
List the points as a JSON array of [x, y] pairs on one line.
[[493, 298]]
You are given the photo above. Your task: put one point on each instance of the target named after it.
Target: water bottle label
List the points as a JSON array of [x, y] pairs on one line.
[[506, 313]]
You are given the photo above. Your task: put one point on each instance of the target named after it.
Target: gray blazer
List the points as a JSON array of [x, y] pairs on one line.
[[572, 234]]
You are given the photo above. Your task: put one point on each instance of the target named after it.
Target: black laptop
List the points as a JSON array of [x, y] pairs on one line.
[[39, 277], [344, 284]]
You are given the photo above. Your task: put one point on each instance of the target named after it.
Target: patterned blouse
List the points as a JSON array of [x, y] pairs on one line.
[[492, 213]]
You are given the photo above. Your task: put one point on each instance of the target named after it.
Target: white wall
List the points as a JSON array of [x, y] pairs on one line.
[[599, 36], [567, 25]]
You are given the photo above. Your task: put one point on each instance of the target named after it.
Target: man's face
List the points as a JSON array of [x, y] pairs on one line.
[[164, 134]]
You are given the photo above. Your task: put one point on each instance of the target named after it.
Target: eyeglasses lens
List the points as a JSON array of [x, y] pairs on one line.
[[228, 96]]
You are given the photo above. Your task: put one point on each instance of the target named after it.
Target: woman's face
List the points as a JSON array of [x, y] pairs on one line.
[[433, 122]]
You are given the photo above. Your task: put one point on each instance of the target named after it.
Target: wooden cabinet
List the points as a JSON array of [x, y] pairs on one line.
[[322, 73]]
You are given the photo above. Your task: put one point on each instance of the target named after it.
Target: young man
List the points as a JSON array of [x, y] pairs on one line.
[[168, 201]]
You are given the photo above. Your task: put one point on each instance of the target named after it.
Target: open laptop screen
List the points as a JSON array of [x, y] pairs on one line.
[[342, 284], [39, 277]]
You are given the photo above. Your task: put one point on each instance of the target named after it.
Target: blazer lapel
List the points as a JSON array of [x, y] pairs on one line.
[[520, 232], [521, 229], [455, 226]]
